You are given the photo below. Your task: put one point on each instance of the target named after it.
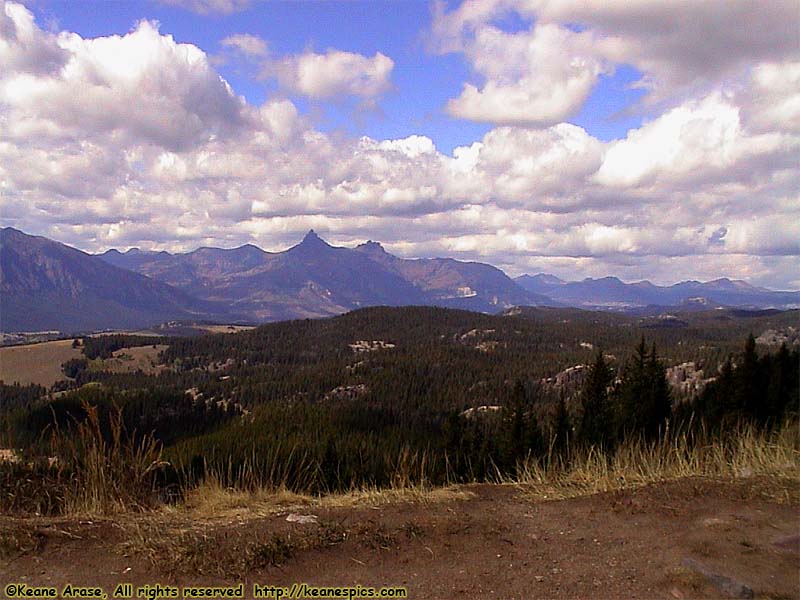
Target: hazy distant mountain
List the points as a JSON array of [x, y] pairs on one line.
[[45, 285], [610, 292], [542, 280], [314, 279], [132, 258], [449, 282], [194, 271]]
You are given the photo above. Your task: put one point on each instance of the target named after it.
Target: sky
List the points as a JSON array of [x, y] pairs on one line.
[[647, 139]]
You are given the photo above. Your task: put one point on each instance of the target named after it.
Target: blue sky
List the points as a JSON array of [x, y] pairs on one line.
[[646, 140], [422, 82]]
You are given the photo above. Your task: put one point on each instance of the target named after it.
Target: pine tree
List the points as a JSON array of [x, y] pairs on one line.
[[561, 427], [643, 402], [716, 403], [596, 421], [748, 397], [780, 367], [633, 393], [659, 400], [514, 426]]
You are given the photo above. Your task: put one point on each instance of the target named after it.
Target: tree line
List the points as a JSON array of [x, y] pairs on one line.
[[459, 397]]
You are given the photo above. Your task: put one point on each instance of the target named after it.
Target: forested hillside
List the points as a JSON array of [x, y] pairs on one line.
[[421, 393]]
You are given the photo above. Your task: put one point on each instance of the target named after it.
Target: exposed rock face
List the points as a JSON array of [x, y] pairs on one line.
[[347, 392], [477, 411], [775, 337], [569, 380], [687, 379], [370, 346]]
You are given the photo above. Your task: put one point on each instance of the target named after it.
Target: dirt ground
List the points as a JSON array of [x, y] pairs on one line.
[[36, 363], [497, 542]]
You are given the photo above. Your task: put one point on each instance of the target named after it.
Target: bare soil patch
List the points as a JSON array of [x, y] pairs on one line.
[[495, 541]]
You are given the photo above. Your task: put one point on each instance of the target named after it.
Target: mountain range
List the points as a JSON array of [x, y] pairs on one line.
[[46, 285], [612, 293]]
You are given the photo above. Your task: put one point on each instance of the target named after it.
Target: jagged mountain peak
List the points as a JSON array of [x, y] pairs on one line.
[[311, 242], [313, 238], [372, 247], [310, 279]]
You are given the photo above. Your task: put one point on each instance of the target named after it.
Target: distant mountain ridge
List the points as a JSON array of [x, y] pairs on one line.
[[316, 279], [47, 285], [612, 293]]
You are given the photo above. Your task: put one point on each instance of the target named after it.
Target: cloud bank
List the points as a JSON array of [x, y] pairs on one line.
[[135, 139]]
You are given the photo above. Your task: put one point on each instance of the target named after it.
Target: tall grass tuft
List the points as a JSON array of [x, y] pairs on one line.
[[98, 468], [744, 451], [109, 469]]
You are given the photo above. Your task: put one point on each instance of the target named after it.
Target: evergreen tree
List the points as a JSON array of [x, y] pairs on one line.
[[561, 427], [514, 426], [596, 422], [643, 402], [633, 393], [534, 441], [716, 400], [748, 397], [520, 427], [659, 401], [781, 394]]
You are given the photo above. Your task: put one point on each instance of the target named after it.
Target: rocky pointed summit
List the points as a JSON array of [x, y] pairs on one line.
[[311, 238], [314, 278], [46, 285], [311, 244], [372, 248]]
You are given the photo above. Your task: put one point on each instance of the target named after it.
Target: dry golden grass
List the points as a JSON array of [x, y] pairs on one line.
[[211, 532], [223, 544], [212, 501], [115, 475], [223, 328], [741, 454], [36, 363], [106, 476], [129, 360]]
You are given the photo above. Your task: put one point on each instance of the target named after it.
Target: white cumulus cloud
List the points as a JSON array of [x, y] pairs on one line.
[[538, 78], [247, 44], [136, 140], [334, 73], [210, 7]]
